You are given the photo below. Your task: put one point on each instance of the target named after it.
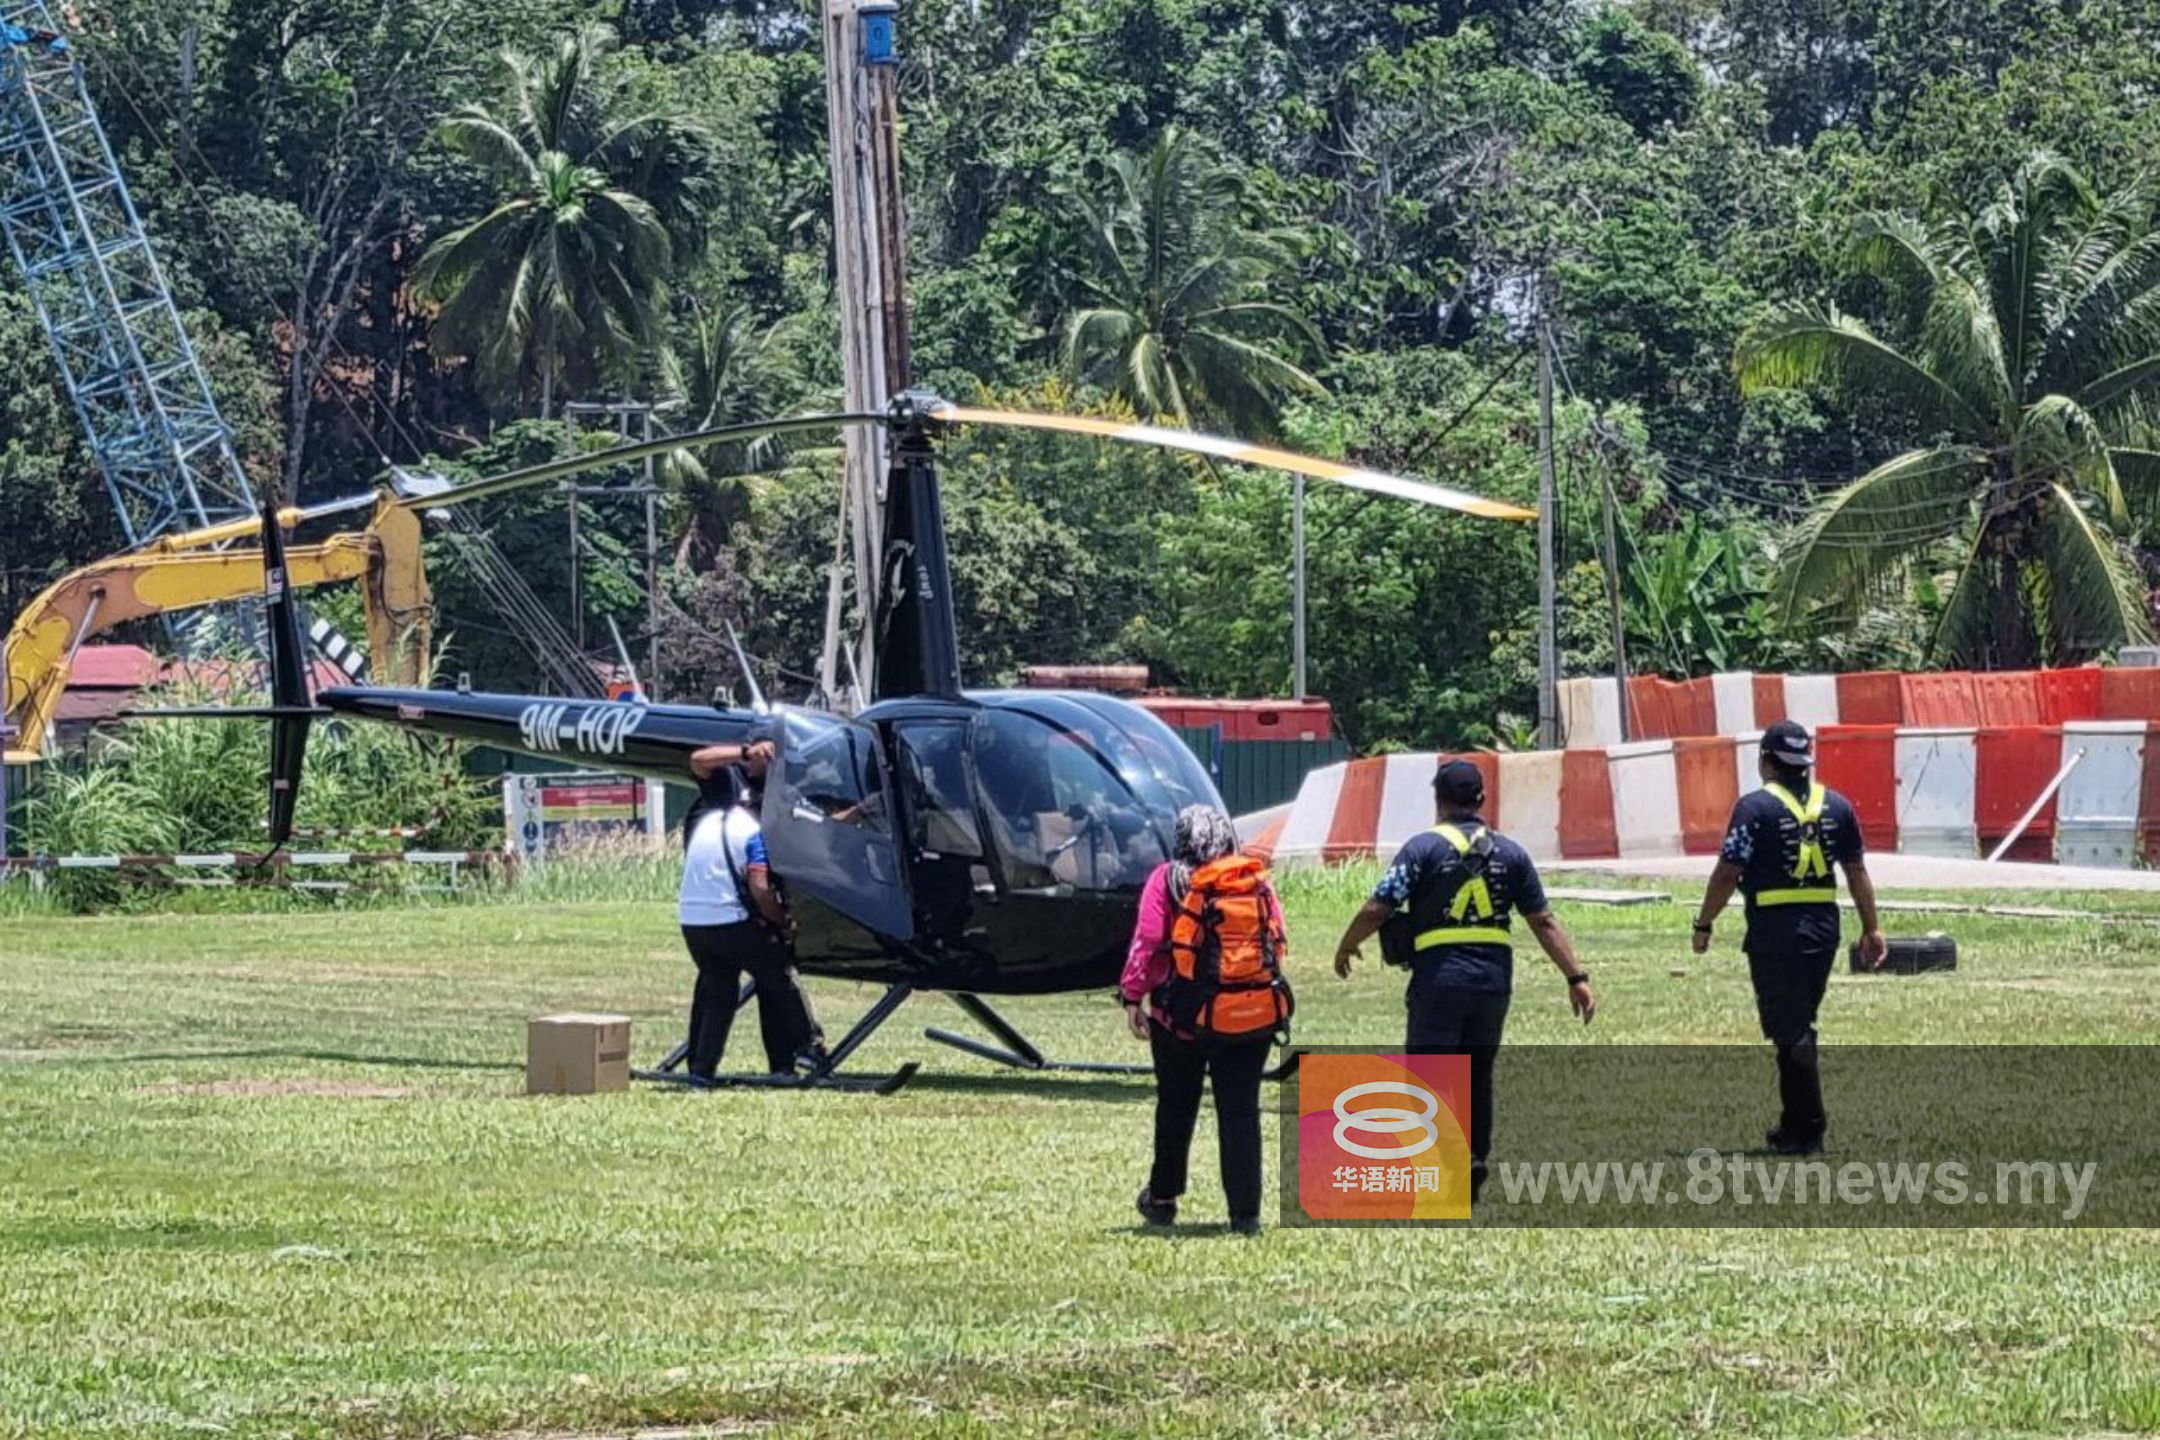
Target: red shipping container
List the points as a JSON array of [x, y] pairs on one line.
[[1870, 697], [1860, 762], [1354, 831], [1940, 702], [2067, 695], [1709, 785], [2013, 766], [1279, 720], [1587, 828], [2132, 694], [1769, 700], [1246, 719], [2009, 698]]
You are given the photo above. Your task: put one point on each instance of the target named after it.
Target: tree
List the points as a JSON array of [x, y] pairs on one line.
[[733, 370], [2031, 347], [566, 273], [1646, 76], [1174, 322]]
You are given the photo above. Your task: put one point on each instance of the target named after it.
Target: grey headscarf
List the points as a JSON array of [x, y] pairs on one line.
[[1204, 835]]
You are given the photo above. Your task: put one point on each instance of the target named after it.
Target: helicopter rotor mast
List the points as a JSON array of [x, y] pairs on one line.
[[917, 642]]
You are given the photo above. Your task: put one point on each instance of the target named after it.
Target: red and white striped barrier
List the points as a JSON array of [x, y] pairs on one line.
[[1956, 792], [1740, 702]]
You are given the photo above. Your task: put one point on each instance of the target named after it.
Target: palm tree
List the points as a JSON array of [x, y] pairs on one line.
[[2028, 371], [732, 370], [1174, 320], [566, 275]]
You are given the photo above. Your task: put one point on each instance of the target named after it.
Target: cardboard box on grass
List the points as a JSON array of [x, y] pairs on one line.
[[577, 1054]]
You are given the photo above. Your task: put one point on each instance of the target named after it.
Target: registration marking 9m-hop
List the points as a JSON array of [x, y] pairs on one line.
[[553, 726]]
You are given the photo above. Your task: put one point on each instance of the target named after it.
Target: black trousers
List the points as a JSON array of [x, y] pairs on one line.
[[1182, 1069], [723, 954], [1449, 1020], [1788, 994]]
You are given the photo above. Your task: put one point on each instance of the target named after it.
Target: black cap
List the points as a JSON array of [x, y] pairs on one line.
[[1459, 783], [1788, 743]]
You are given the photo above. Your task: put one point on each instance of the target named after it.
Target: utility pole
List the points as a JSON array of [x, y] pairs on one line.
[[862, 110], [1609, 504], [652, 571], [1299, 688], [577, 576], [623, 411], [1548, 698]]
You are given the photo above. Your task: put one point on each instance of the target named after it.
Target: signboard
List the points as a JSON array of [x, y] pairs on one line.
[[545, 813]]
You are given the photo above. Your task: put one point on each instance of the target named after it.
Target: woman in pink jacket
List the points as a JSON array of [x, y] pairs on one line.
[[1183, 1061]]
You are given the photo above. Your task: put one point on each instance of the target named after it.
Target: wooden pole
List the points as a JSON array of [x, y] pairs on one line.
[[863, 136], [1548, 693], [1612, 596]]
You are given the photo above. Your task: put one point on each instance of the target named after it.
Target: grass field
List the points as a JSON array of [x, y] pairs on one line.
[[269, 1175]]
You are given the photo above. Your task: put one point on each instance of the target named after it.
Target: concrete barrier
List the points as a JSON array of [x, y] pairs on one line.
[[1812, 700], [1530, 796], [1590, 712], [1734, 693]]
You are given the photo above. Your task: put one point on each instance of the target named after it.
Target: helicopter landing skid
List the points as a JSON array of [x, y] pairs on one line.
[[823, 1080], [822, 1075], [1018, 1051]]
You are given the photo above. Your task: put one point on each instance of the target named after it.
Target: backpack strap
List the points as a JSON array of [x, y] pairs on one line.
[[1476, 852]]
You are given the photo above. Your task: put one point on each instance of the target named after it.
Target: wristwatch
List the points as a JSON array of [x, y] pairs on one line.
[[1704, 927], [1580, 977]]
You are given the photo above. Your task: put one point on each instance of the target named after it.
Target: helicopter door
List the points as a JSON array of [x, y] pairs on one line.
[[828, 821]]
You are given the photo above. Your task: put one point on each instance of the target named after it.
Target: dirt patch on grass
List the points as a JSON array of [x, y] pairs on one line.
[[253, 1089]]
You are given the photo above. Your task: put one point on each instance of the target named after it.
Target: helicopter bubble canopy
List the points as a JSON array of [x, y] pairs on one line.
[[1081, 792]]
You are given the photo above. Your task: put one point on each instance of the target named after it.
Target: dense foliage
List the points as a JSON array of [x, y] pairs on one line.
[[398, 227]]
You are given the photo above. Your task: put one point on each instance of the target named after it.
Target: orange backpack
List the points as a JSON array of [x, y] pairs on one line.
[[1226, 952]]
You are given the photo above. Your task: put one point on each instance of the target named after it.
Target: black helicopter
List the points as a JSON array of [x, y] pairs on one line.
[[976, 843]]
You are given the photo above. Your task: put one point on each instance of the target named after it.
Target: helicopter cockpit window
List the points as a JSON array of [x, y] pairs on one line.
[[829, 771], [1061, 813], [933, 768]]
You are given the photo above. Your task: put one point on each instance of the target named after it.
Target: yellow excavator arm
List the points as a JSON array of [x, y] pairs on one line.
[[183, 572]]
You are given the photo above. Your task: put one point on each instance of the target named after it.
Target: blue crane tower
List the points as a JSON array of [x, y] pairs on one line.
[[166, 454]]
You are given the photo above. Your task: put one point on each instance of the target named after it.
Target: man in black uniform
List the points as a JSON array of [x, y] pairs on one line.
[[1461, 883], [1779, 849]]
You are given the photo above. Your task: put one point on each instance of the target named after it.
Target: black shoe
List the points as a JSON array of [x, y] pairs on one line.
[[1245, 1225], [1155, 1212], [1780, 1142]]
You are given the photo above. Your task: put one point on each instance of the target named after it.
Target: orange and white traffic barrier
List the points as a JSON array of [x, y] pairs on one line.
[[1947, 791]]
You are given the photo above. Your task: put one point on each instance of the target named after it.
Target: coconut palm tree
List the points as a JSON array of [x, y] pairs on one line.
[[565, 276], [1174, 318], [2027, 366], [731, 368]]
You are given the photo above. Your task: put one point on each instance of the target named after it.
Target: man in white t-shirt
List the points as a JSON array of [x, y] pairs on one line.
[[732, 918]]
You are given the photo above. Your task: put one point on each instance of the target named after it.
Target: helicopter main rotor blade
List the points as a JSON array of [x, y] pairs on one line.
[[1377, 482], [619, 454]]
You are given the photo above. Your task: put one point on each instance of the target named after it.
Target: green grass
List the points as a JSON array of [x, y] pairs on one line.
[[422, 1251]]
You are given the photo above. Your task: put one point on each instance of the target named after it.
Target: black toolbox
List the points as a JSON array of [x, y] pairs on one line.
[[1913, 956]]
